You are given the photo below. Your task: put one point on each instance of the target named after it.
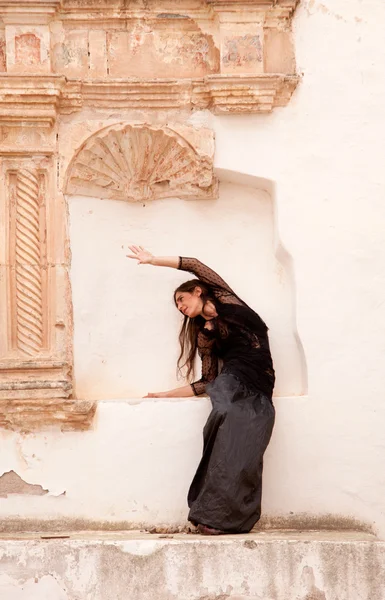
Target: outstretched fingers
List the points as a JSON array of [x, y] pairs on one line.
[[136, 250], [142, 255]]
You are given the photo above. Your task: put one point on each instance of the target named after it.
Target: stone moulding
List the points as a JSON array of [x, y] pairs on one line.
[[30, 100], [36, 394], [241, 94], [37, 101], [271, 9], [38, 379], [142, 162], [218, 93], [28, 415]]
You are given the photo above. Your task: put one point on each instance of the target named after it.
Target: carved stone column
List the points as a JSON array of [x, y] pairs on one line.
[[28, 261], [35, 360]]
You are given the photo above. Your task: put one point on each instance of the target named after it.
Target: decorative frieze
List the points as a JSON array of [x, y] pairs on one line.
[[60, 57]]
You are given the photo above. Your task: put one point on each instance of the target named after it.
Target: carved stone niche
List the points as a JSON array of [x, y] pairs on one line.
[[136, 162], [139, 162]]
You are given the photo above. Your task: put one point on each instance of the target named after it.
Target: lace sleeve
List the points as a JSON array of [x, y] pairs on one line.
[[209, 365], [203, 272]]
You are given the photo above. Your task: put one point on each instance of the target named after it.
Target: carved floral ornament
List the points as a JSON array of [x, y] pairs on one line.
[[142, 162]]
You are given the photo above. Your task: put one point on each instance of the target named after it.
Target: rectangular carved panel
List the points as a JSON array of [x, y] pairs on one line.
[[35, 357], [28, 261]]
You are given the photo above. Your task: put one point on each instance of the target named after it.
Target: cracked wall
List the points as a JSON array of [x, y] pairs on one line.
[[275, 569]]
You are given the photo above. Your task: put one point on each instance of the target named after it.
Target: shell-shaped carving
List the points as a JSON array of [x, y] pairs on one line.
[[139, 162]]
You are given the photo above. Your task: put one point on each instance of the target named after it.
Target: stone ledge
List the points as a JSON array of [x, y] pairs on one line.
[[139, 566], [34, 380], [29, 415]]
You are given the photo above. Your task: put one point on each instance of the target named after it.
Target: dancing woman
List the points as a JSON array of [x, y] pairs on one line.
[[238, 375]]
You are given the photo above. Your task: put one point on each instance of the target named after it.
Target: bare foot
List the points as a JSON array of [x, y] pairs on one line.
[[205, 530]]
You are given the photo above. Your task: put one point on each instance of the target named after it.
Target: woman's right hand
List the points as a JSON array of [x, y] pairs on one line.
[[144, 257]]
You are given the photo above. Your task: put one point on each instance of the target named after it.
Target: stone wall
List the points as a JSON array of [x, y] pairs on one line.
[[318, 160]]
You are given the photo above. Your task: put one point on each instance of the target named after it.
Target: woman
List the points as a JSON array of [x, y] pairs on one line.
[[225, 495]]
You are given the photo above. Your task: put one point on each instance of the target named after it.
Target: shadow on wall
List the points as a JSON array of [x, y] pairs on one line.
[[125, 324], [286, 261]]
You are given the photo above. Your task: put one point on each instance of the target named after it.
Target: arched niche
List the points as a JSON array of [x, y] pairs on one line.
[[125, 324]]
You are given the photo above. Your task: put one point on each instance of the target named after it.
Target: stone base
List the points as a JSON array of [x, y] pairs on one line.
[[141, 566], [27, 415]]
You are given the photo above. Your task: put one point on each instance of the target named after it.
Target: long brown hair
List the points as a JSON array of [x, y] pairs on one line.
[[188, 335]]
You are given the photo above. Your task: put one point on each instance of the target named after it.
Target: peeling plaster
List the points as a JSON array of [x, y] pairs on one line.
[[12, 483]]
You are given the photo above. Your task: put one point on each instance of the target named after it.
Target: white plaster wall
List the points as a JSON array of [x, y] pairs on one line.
[[324, 153], [136, 465], [126, 325]]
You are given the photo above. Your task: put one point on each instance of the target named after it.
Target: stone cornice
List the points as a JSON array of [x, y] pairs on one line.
[[29, 11], [218, 93], [30, 5], [30, 100], [225, 94], [285, 8], [117, 10], [39, 99]]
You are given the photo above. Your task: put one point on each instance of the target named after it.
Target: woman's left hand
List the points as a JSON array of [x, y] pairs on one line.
[[181, 392]]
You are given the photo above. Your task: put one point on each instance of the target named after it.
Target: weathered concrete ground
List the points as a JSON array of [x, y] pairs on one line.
[[133, 565]]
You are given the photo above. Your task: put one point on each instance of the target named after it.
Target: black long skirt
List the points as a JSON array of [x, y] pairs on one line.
[[226, 491]]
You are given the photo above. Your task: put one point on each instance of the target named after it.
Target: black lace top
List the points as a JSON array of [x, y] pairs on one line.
[[237, 337]]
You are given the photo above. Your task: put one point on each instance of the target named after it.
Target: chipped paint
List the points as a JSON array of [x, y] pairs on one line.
[[241, 51], [12, 483]]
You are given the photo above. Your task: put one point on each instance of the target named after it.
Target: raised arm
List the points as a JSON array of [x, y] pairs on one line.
[[202, 272], [192, 265], [144, 257]]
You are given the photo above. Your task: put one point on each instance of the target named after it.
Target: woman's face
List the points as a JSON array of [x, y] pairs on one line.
[[189, 304]]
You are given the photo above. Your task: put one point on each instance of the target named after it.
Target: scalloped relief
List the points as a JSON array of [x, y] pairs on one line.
[[143, 162]]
